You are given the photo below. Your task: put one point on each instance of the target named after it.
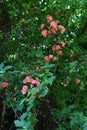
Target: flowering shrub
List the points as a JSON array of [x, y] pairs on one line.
[[46, 82], [52, 28]]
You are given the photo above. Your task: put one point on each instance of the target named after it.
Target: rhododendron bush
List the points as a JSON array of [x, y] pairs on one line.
[[43, 66]]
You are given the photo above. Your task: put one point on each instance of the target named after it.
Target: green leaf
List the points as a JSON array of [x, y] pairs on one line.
[[85, 126], [22, 101], [19, 106], [23, 116], [19, 123], [1, 75], [44, 92], [8, 67], [1, 65], [50, 80], [31, 100]]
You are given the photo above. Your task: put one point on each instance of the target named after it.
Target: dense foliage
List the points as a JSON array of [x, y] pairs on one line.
[[43, 64]]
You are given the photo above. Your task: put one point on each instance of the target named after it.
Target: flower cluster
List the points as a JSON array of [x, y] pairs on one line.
[[24, 89], [49, 58], [58, 49], [5, 84], [32, 83], [53, 27]]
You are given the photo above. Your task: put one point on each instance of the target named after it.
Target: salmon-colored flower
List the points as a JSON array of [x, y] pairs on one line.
[[42, 26], [35, 82], [46, 59], [27, 80], [24, 89], [49, 18], [53, 24], [60, 52], [62, 28], [58, 47], [53, 47], [50, 56], [44, 33], [77, 81], [5, 84], [63, 44], [53, 31]]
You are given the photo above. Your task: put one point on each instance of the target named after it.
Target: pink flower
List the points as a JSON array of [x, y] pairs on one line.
[[58, 47], [49, 18], [62, 28], [42, 26], [31, 85], [5, 84], [63, 44], [53, 24], [27, 80], [44, 33], [24, 89], [53, 31], [35, 82], [77, 81], [54, 48], [46, 59], [50, 56]]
